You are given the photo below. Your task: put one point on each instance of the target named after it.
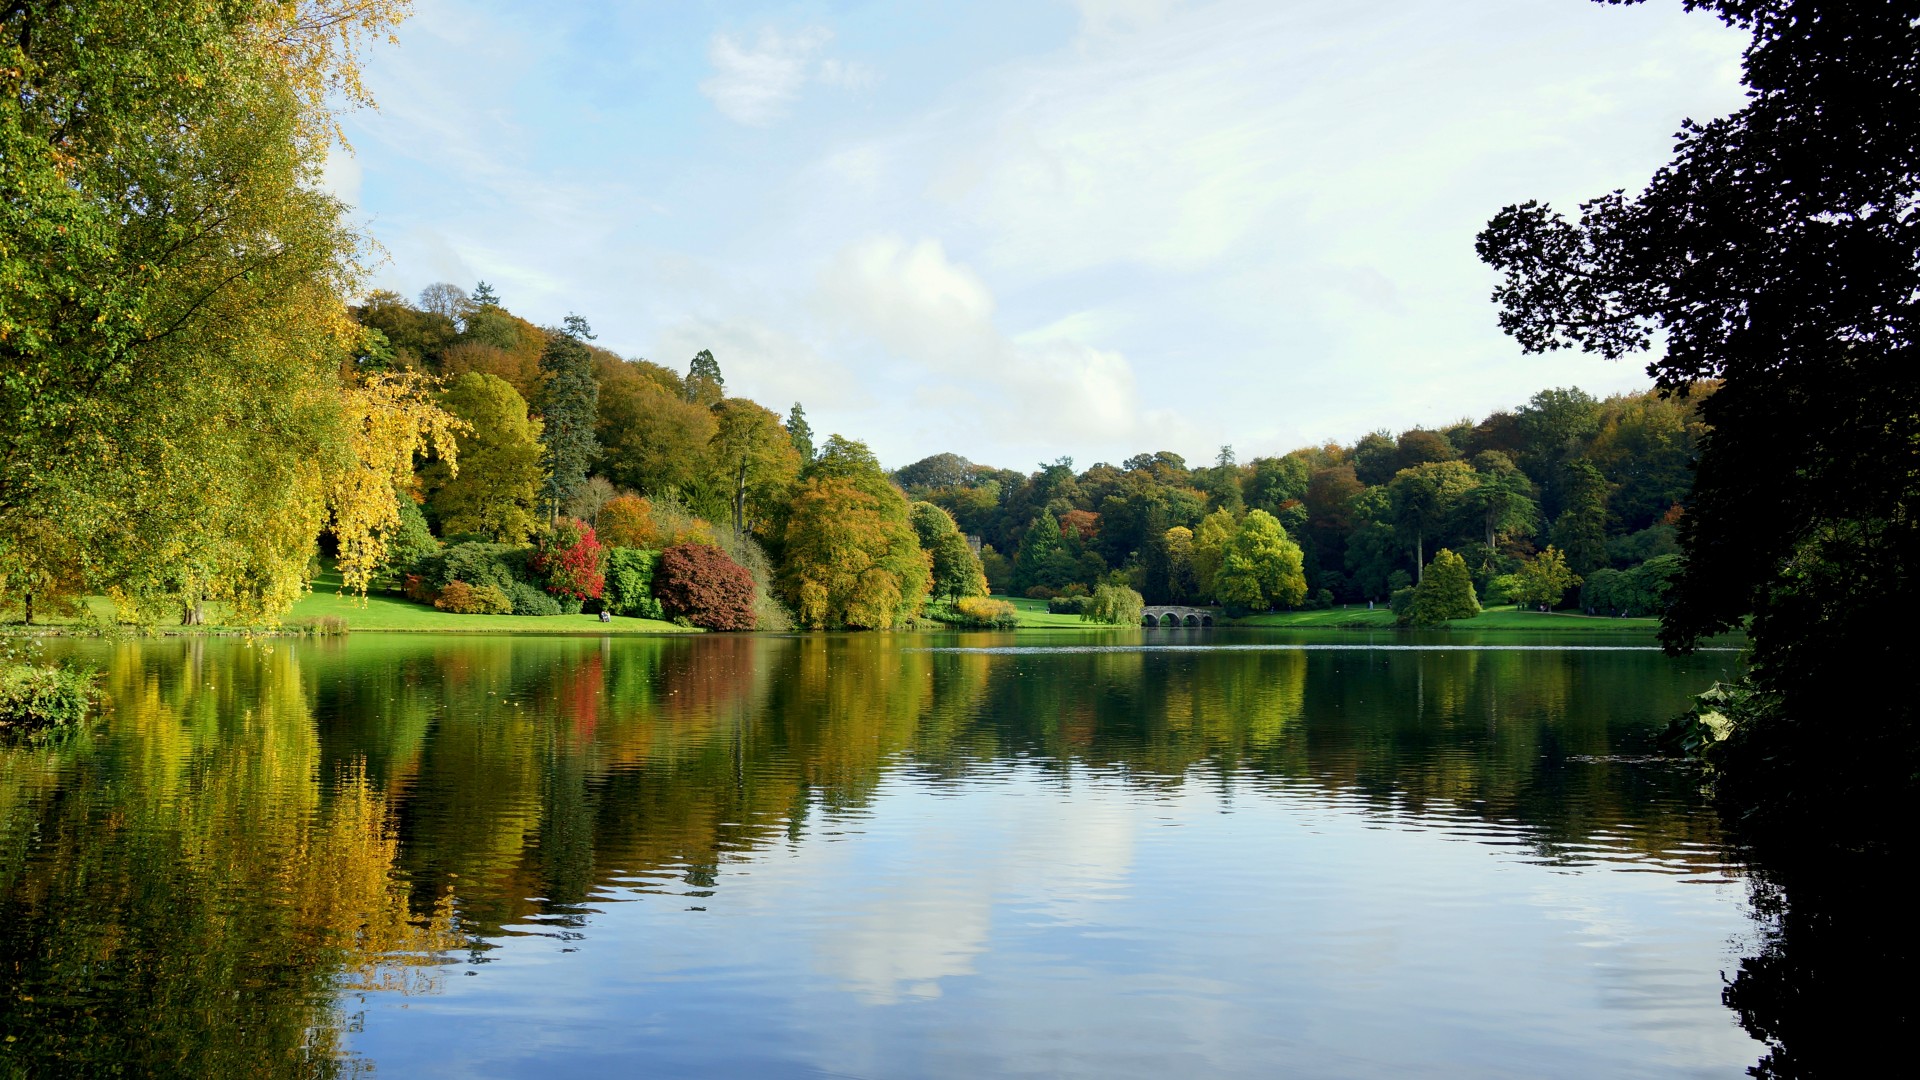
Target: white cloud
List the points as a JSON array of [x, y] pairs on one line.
[[757, 84], [934, 319], [848, 74]]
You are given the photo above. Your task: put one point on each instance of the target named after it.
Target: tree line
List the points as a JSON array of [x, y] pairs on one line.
[[1563, 490]]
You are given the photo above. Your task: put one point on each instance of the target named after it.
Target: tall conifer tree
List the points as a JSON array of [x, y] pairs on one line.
[[570, 406]]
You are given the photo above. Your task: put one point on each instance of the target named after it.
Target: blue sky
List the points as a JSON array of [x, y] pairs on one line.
[[1021, 230]]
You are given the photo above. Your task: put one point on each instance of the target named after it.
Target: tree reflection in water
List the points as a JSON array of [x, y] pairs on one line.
[[258, 835]]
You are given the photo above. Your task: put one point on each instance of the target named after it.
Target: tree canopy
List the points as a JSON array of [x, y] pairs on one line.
[[1777, 253]]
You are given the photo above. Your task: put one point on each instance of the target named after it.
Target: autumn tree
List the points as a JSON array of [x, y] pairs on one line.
[[497, 489], [699, 583], [652, 440], [627, 521], [852, 555], [570, 561], [174, 329]]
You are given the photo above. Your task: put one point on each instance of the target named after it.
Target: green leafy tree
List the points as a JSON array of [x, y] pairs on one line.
[[1261, 566], [752, 460], [1424, 498], [1544, 579], [407, 542], [1444, 593], [934, 472], [569, 410], [1499, 500], [497, 490], [956, 571], [1115, 605], [1210, 549]]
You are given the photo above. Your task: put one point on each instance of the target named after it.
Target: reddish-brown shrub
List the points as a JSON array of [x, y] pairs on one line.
[[1042, 592], [419, 590], [464, 599], [706, 587], [1084, 522]]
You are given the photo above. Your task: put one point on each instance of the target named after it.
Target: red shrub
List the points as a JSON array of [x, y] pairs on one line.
[[572, 561], [702, 584], [419, 591]]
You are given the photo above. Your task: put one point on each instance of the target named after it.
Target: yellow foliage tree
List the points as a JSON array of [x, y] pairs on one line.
[[852, 557]]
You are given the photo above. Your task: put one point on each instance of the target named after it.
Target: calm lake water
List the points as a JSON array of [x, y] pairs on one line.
[[1139, 853]]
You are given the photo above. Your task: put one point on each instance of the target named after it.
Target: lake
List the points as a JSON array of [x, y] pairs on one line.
[[1124, 853]]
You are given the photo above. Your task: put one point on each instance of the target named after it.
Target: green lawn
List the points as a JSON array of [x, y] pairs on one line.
[[1035, 616], [384, 612]]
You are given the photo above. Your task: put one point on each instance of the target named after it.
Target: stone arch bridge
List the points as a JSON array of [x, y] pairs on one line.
[[1175, 615]]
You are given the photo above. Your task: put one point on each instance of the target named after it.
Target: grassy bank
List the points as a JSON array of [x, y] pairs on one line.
[[1034, 616], [386, 613], [1501, 618], [381, 613]]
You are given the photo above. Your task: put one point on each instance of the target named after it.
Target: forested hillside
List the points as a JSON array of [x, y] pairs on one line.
[[1565, 499]]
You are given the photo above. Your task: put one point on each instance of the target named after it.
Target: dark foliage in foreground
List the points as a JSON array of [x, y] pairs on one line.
[[1778, 252]]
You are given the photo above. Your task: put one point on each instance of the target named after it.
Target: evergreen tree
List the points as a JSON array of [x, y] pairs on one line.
[[484, 296], [570, 407], [801, 433], [1042, 539], [704, 384], [1581, 529]]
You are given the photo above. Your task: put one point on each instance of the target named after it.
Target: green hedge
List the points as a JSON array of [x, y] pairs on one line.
[[630, 583]]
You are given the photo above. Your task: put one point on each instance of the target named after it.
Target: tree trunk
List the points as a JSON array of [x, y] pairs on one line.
[[193, 614], [1419, 557], [27, 616]]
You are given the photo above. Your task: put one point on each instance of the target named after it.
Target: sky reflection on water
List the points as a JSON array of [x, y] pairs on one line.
[[878, 856]]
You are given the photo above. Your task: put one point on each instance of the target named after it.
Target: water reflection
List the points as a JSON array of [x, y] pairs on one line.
[[264, 845]]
